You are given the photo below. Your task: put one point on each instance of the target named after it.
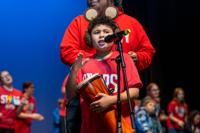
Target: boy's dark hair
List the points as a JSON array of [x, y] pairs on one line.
[[98, 21]]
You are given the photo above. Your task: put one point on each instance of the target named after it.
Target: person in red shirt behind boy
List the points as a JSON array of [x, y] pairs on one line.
[[136, 44]]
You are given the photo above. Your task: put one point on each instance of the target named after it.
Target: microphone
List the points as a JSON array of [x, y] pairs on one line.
[[116, 36]]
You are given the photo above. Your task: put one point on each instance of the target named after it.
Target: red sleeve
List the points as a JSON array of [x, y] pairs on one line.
[[78, 80], [71, 43], [137, 41], [145, 51], [171, 107], [133, 77]]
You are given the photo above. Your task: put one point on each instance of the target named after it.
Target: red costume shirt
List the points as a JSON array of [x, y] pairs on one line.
[[179, 111], [9, 100], [137, 41], [24, 125], [108, 69]]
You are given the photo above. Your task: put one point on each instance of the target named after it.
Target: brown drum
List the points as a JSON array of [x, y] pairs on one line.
[[89, 88]]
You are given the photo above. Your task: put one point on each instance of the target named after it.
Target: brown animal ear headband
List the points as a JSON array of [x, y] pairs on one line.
[[92, 13]]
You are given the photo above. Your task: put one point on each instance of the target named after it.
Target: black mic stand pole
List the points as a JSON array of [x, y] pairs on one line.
[[120, 62]]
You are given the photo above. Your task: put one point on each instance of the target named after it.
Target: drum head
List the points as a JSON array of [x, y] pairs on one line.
[[87, 81]]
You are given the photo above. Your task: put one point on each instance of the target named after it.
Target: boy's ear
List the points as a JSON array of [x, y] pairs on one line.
[[88, 39]]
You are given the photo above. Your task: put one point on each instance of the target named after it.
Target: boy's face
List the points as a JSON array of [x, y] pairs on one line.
[[150, 107], [99, 32]]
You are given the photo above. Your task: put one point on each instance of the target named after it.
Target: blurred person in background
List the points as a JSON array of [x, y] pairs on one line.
[[9, 102], [177, 111], [193, 125], [27, 110]]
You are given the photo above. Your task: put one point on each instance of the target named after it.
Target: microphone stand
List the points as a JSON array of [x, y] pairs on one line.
[[120, 62]]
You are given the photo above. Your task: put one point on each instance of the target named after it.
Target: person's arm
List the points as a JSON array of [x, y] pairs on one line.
[[171, 108], [1, 115], [21, 110], [35, 116], [144, 51], [105, 101], [71, 86], [23, 101], [177, 121], [162, 116], [63, 87], [71, 44]]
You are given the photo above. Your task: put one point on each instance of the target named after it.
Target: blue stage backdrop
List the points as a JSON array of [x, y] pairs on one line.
[[30, 36]]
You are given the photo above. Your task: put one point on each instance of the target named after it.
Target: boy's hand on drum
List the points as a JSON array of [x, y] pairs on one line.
[[104, 101]]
